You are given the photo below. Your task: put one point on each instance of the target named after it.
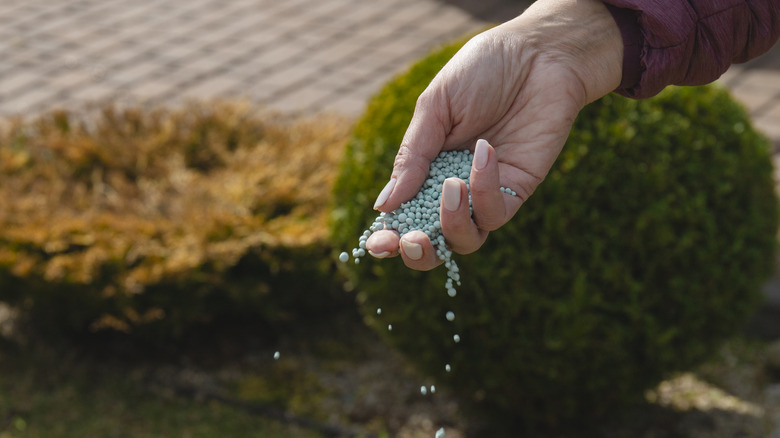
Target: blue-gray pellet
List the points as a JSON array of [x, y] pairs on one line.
[[422, 212]]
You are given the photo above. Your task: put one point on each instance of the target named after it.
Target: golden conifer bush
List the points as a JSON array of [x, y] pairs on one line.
[[139, 216]]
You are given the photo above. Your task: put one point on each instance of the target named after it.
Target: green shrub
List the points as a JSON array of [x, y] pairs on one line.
[[155, 220], [642, 250]]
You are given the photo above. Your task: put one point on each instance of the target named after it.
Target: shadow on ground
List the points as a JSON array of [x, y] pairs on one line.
[[495, 11], [332, 378]]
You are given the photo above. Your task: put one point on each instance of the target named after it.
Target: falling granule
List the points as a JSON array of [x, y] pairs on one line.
[[456, 338], [276, 355], [447, 368], [440, 433], [433, 389], [422, 213], [423, 390]]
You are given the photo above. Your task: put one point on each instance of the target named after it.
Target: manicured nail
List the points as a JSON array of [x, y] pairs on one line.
[[451, 195], [412, 250], [481, 154], [384, 194], [380, 255]]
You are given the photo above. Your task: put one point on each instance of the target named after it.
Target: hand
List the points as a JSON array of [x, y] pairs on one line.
[[520, 86]]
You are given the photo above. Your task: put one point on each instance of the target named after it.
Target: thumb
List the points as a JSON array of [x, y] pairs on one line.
[[422, 142]]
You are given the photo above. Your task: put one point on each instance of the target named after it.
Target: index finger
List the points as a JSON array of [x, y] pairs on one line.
[[423, 140]]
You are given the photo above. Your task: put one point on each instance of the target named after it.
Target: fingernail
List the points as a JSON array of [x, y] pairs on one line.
[[451, 195], [412, 250], [384, 194], [380, 255], [481, 154]]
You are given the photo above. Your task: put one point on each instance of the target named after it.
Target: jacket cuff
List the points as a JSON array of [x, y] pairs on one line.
[[633, 41]]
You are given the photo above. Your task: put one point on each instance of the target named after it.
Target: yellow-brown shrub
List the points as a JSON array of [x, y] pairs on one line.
[[138, 216]]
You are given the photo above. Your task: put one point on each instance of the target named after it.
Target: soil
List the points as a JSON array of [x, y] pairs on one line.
[[336, 376]]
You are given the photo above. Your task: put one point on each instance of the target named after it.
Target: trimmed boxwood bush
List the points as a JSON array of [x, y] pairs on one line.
[[642, 250], [152, 221]]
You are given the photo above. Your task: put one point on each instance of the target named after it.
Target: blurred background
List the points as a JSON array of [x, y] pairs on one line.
[[293, 56], [138, 248]]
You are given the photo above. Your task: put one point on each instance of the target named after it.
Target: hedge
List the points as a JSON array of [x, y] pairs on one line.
[[643, 249]]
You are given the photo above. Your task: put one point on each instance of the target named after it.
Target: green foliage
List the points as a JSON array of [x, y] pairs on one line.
[[155, 220], [642, 250]]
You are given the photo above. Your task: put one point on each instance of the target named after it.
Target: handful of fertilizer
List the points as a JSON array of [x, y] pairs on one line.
[[422, 212]]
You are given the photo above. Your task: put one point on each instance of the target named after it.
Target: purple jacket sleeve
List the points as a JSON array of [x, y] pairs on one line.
[[689, 42]]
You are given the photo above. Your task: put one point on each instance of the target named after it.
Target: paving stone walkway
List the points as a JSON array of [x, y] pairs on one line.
[[757, 85], [291, 55]]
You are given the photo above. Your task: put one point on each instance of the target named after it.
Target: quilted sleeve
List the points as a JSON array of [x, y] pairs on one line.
[[689, 42]]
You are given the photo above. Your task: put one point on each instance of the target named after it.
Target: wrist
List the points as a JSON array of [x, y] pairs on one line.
[[580, 35]]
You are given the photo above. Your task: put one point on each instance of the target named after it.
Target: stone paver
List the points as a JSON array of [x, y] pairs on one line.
[[757, 85], [305, 56], [290, 55]]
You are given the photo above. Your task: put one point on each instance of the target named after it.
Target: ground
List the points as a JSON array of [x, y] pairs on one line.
[[332, 378]]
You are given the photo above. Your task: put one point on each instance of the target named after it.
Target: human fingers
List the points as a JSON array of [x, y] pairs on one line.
[[487, 201], [416, 249], [383, 243], [422, 141], [461, 233], [418, 252]]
